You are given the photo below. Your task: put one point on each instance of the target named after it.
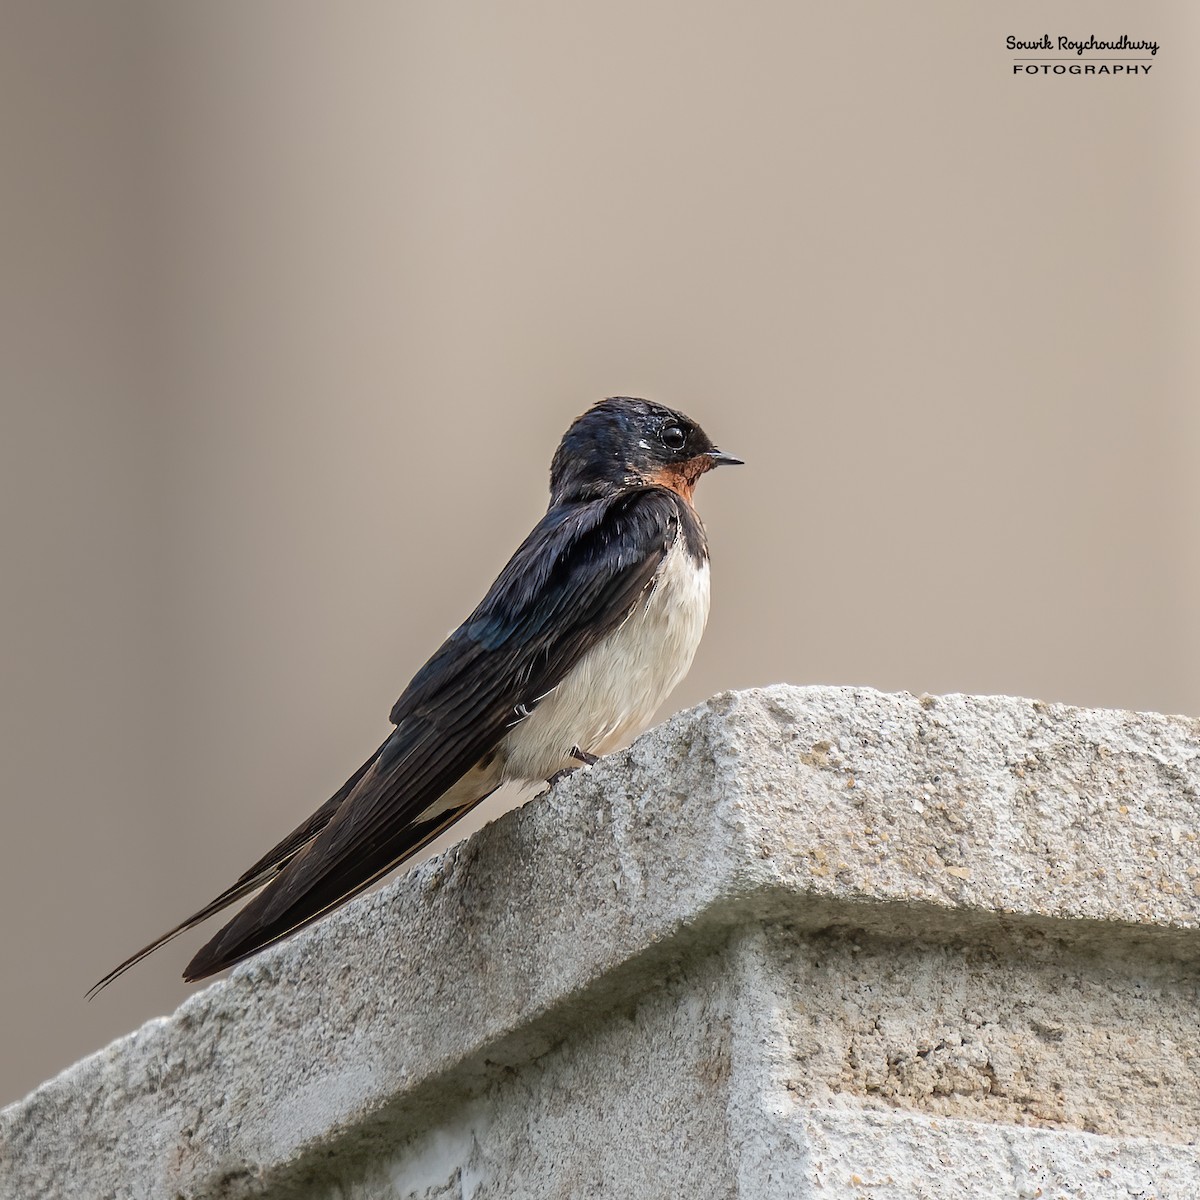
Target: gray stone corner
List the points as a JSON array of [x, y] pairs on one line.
[[795, 942]]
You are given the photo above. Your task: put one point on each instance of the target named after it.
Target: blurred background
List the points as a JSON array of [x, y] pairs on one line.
[[298, 298]]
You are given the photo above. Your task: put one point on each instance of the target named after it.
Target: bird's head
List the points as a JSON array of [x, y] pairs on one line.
[[624, 442]]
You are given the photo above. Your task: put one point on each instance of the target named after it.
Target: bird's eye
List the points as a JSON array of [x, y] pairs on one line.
[[673, 437]]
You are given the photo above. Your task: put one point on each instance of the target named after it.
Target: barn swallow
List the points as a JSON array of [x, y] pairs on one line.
[[593, 621]]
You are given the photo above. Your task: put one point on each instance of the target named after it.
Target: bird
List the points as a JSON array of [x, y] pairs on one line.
[[589, 626]]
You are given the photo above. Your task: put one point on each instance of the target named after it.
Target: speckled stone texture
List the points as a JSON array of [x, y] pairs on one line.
[[796, 942]]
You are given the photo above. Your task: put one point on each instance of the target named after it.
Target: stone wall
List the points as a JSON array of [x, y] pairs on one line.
[[796, 942]]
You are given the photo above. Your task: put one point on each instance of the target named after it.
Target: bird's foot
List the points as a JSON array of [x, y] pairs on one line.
[[557, 776], [582, 755]]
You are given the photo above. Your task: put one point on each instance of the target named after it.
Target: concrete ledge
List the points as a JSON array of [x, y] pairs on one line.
[[793, 942]]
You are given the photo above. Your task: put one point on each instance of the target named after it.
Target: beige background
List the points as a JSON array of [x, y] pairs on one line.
[[298, 298]]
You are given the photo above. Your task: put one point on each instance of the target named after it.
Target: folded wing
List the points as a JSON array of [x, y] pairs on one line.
[[574, 580]]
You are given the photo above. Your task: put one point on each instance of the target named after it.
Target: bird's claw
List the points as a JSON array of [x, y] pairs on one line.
[[582, 755]]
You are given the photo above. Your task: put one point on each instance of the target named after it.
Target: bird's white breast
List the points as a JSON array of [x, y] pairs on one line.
[[610, 695]]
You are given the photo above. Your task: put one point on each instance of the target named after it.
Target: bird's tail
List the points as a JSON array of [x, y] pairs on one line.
[[245, 936], [260, 874]]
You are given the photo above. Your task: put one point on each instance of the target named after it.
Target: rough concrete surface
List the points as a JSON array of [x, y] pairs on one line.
[[795, 942]]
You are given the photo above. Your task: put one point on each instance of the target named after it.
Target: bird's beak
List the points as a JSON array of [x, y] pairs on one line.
[[718, 458]]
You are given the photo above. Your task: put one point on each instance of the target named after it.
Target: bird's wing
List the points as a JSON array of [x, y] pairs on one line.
[[251, 880], [572, 582]]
